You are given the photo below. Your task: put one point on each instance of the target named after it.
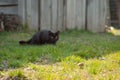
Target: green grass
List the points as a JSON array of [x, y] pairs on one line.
[[99, 53]]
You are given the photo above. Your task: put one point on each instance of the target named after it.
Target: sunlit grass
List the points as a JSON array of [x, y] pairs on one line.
[[99, 54], [113, 31]]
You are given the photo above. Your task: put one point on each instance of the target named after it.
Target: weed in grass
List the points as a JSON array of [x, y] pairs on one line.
[[17, 73]]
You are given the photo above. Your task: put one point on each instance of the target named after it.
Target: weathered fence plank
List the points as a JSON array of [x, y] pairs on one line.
[[76, 14], [80, 14], [29, 13], [71, 12], [54, 14], [9, 6], [96, 15], [46, 14], [34, 14], [61, 15], [22, 10]]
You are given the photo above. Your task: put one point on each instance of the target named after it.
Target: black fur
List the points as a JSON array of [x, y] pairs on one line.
[[43, 37]]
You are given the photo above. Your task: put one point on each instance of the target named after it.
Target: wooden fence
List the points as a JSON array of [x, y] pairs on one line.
[[9, 6], [64, 14], [70, 14]]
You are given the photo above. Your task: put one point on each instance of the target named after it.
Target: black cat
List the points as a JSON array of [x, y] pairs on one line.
[[43, 37]]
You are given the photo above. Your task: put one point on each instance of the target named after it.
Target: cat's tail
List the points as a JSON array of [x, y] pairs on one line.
[[23, 42]]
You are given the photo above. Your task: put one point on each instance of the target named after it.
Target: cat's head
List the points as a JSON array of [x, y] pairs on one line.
[[53, 37]]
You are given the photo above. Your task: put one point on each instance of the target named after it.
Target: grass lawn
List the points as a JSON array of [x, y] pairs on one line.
[[78, 55]]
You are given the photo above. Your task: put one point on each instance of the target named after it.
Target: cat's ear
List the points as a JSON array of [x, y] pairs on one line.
[[49, 32], [57, 33]]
